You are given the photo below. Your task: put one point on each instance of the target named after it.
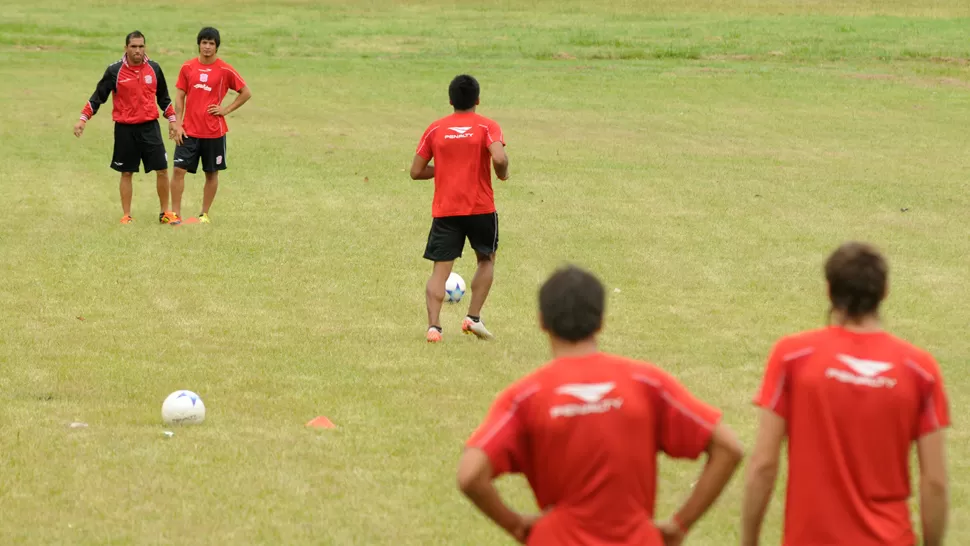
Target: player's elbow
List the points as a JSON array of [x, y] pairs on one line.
[[415, 174], [468, 482], [935, 486]]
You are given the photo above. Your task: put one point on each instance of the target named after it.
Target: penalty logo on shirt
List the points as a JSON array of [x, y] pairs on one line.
[[593, 397], [462, 132], [867, 373]]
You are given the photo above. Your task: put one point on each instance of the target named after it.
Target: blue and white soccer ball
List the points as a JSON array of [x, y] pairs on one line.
[[454, 288], [183, 408]]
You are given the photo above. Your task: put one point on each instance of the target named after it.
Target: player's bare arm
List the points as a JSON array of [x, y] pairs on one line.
[[475, 481], [500, 160], [420, 170], [179, 116], [244, 95], [724, 454], [761, 475], [933, 487]]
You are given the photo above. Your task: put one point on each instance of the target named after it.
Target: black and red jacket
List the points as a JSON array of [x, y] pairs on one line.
[[136, 90]]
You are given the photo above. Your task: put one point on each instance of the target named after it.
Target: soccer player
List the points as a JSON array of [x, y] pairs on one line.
[[137, 84], [464, 147], [586, 430], [852, 399], [200, 130]]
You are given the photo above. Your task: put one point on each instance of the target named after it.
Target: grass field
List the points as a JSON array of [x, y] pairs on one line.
[[701, 157]]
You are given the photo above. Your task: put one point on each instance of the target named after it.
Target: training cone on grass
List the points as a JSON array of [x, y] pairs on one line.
[[321, 422]]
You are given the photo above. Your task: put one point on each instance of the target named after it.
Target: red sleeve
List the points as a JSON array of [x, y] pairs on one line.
[[183, 80], [686, 422], [775, 385], [493, 133], [236, 82], [502, 435], [424, 147], [934, 406]]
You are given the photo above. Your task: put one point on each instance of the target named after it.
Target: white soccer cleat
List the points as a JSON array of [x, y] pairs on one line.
[[469, 326]]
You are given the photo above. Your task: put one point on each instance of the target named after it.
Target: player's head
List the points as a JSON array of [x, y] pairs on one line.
[[135, 46], [857, 279], [463, 92], [208, 41], [571, 304]]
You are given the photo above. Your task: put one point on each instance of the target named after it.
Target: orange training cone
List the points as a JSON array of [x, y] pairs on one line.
[[321, 422]]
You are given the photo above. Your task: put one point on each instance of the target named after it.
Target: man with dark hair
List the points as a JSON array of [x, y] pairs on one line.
[[464, 147], [201, 128], [137, 85], [852, 400], [586, 429]]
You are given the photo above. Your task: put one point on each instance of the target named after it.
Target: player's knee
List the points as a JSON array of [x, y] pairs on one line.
[[485, 259]]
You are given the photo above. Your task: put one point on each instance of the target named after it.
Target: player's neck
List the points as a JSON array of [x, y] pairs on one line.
[[864, 324], [469, 111], [208, 60], [568, 349]]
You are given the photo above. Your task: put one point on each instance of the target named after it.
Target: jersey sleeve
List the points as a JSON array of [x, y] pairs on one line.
[[425, 149], [686, 423], [183, 80], [162, 96], [493, 133], [774, 392], [236, 82], [502, 434], [100, 95], [934, 406]]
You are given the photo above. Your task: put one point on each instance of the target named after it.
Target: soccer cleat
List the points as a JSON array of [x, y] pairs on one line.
[[204, 219], [175, 220], [167, 217], [127, 219], [469, 326], [434, 335]]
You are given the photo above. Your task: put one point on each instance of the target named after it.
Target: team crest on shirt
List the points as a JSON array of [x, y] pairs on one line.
[[148, 80], [867, 373], [593, 396]]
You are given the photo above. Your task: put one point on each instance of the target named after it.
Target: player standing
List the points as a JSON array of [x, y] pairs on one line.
[[586, 430], [852, 400], [137, 84], [464, 147], [201, 127]]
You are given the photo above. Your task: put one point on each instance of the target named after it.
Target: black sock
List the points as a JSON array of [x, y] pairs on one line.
[[475, 319], [437, 328]]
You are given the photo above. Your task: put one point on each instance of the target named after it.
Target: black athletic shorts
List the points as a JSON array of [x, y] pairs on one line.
[[212, 152], [139, 143], [447, 237]]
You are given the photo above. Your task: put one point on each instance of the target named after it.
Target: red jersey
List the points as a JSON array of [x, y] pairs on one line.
[[137, 89], [462, 163], [854, 404], [586, 432], [205, 85]]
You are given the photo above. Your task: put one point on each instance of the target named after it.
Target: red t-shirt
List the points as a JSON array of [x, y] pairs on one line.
[[462, 163], [586, 432], [854, 404], [205, 85]]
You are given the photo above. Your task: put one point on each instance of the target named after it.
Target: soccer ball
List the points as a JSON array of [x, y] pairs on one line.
[[454, 288], [183, 408]]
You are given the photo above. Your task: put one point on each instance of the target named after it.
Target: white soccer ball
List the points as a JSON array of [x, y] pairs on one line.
[[183, 408], [454, 288]]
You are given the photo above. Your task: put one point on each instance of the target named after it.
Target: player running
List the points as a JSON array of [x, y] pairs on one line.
[[462, 145], [200, 132], [586, 429], [852, 400], [137, 85]]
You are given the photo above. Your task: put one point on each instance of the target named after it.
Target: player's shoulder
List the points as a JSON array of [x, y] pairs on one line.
[[483, 120], [115, 66], [804, 342], [154, 64], [190, 63], [914, 355]]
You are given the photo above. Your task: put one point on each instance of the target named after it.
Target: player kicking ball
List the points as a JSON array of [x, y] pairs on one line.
[[200, 132], [464, 146]]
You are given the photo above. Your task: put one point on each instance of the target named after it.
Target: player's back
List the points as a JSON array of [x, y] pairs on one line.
[[857, 403], [463, 177], [595, 425]]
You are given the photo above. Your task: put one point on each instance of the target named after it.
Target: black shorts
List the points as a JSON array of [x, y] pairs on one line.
[[212, 152], [447, 237], [139, 143]]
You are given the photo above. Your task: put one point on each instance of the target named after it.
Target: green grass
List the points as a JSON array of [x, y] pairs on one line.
[[702, 157]]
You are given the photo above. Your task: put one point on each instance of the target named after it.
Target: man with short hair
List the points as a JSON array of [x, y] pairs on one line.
[[137, 84], [464, 147], [586, 429], [200, 130]]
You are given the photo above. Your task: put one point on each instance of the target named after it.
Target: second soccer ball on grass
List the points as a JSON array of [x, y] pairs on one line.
[[454, 288]]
